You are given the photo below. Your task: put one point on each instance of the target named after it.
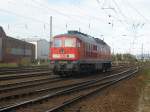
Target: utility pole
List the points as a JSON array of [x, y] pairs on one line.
[[113, 52], [66, 27], [51, 29], [142, 52], [89, 28], [79, 29]]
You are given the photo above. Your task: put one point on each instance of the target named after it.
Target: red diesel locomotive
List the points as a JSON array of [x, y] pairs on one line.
[[76, 52]]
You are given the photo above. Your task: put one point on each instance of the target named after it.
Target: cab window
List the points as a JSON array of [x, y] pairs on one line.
[[69, 43], [57, 43]]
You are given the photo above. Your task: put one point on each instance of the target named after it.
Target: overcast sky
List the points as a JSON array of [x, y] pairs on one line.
[[123, 24]]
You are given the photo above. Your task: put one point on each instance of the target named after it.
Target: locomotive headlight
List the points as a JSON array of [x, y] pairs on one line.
[[63, 55], [56, 56], [70, 56]]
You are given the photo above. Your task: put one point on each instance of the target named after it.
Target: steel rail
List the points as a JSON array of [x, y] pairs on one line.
[[28, 67], [21, 71], [23, 75], [5, 72], [25, 84]]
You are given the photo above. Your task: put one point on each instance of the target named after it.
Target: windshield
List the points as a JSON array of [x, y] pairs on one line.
[[57, 43], [69, 42]]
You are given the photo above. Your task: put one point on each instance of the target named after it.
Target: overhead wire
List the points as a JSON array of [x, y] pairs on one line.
[[120, 11], [137, 11], [43, 7], [22, 16], [106, 12], [73, 16], [68, 16]]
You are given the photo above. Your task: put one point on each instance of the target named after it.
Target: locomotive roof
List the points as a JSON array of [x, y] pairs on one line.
[[86, 37]]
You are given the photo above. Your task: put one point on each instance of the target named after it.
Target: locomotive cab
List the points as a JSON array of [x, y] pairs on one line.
[[64, 54]]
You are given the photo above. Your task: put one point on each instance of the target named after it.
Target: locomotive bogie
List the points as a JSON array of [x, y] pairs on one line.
[[77, 67]]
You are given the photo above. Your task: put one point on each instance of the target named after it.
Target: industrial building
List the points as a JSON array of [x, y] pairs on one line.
[[41, 48], [15, 50]]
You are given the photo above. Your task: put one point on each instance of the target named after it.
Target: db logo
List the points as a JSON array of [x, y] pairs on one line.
[[62, 51]]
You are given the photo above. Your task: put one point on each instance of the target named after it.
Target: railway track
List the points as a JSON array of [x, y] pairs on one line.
[[4, 71], [16, 68], [67, 93], [23, 84], [13, 78], [23, 75]]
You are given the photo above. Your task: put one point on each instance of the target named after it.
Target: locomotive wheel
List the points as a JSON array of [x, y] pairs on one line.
[[103, 70], [64, 74]]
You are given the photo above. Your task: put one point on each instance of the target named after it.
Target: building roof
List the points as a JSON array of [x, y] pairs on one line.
[[34, 39], [2, 32], [3, 35]]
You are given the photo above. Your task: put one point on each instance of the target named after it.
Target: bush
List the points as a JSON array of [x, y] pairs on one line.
[[8, 65], [24, 62]]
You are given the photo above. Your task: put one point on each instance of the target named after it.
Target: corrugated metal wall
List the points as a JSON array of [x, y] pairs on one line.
[[14, 50]]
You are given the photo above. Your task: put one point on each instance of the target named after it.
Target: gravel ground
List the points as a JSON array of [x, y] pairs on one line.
[[123, 97], [144, 102]]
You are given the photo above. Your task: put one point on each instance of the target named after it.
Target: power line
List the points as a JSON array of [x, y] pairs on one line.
[[121, 21], [44, 6], [77, 16], [22, 16], [38, 5], [120, 11], [137, 11]]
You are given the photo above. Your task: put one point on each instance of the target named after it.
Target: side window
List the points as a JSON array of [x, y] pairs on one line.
[[86, 49], [78, 44], [89, 47], [94, 47]]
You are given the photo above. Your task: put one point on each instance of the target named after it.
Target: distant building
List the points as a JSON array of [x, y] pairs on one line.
[[41, 48], [143, 56]]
